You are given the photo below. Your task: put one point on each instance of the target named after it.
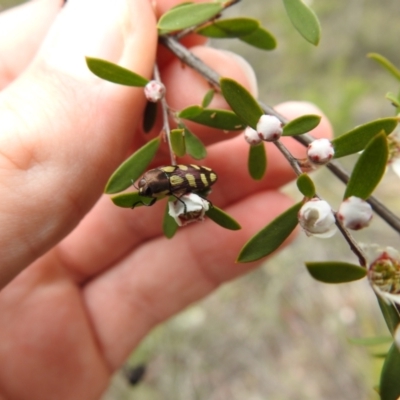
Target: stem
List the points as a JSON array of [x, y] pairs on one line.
[[166, 127], [213, 78], [292, 160]]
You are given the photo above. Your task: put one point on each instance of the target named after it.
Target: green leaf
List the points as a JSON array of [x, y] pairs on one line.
[[178, 142], [306, 185], [244, 105], [356, 139], [386, 64], [149, 116], [389, 386], [114, 73], [129, 200], [271, 237], [390, 313], [186, 16], [229, 28], [220, 119], [132, 168], [257, 161], [194, 146], [395, 100], [169, 224], [208, 98], [303, 124], [335, 271], [190, 112], [371, 341], [304, 20], [222, 218], [261, 39], [369, 168]]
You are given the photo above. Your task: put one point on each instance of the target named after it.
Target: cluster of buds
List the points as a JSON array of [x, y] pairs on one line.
[[317, 218], [154, 91], [269, 129], [188, 208]]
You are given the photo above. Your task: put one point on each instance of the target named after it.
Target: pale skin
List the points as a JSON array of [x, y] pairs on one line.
[[82, 280]]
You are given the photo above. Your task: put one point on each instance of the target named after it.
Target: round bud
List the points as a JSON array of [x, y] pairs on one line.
[[355, 213], [154, 91], [269, 128], [320, 151], [251, 136], [317, 219]]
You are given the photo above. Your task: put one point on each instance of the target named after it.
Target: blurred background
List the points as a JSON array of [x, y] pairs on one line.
[[276, 333]]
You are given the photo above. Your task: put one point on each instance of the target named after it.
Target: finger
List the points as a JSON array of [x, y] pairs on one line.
[[22, 29], [186, 87], [127, 232], [64, 130], [162, 277], [109, 233]]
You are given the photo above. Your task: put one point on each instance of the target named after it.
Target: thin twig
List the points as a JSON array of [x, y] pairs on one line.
[[166, 127], [213, 78]]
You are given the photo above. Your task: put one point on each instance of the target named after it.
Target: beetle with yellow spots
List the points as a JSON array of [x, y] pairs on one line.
[[175, 180]]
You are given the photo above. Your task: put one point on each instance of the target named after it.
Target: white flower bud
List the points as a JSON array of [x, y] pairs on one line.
[[189, 208], [355, 213], [154, 91], [251, 136], [320, 151], [269, 128], [317, 219]]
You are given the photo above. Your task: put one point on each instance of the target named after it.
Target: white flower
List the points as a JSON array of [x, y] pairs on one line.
[[384, 272], [320, 151], [355, 213], [394, 151], [154, 91], [189, 208], [251, 136], [269, 128], [317, 219]]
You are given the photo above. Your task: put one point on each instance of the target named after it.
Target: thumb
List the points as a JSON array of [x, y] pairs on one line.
[[63, 129]]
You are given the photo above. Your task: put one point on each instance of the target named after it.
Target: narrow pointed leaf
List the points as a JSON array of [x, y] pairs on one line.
[[188, 15], [356, 139], [220, 119], [271, 237], [304, 20], [190, 112], [257, 162], [132, 168], [130, 200], [303, 124], [178, 142], [149, 116], [114, 73], [390, 313], [194, 146], [395, 100], [389, 386], [222, 218], [386, 64], [229, 28], [169, 224], [306, 185], [243, 104], [208, 98], [261, 39], [369, 168], [335, 271]]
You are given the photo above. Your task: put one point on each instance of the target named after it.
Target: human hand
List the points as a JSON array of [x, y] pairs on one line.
[[96, 278]]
